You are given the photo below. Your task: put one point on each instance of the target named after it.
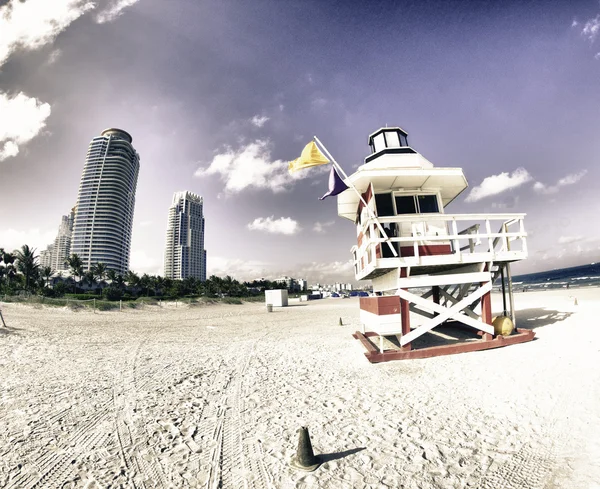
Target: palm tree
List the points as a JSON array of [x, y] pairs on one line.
[[227, 285], [189, 285], [76, 265], [47, 273], [132, 279], [27, 264], [159, 284], [111, 275], [119, 281], [9, 268], [89, 277], [99, 270], [145, 282]]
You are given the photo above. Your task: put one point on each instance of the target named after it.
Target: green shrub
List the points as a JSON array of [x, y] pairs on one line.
[[112, 293], [60, 289], [82, 297], [106, 306]]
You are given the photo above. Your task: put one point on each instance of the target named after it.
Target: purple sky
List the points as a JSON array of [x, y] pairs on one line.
[[218, 95]]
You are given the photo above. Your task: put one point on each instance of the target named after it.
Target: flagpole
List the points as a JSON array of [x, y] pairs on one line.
[[351, 185]]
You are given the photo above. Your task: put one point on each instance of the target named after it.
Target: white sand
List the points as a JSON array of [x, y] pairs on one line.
[[197, 397]]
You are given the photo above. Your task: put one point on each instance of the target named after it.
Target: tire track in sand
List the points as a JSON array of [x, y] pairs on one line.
[[227, 460], [138, 456], [53, 469]]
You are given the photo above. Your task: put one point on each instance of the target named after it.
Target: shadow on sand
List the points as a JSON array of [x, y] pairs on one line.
[[454, 332], [328, 457], [539, 316]]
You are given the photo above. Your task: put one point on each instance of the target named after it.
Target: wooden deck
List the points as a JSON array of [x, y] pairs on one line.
[[486, 343]]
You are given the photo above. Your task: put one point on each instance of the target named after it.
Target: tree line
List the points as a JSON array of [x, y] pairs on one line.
[[20, 271]]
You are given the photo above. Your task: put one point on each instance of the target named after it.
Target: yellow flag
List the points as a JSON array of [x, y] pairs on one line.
[[311, 156]]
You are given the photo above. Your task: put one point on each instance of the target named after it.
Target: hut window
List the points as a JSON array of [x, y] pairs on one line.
[[416, 204], [391, 138], [379, 142], [385, 205], [427, 204], [405, 204]]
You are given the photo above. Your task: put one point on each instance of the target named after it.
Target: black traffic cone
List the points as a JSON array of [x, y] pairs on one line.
[[305, 458]]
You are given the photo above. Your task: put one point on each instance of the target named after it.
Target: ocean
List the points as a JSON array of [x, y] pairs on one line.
[[580, 276]]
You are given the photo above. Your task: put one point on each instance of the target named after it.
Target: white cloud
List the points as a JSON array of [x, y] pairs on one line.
[[12, 239], [563, 182], [283, 225], [114, 10], [145, 224], [497, 184], [251, 166], [320, 227], [574, 23], [248, 270], [54, 55], [569, 239], [597, 55], [35, 23], [21, 119], [9, 149], [591, 28], [328, 272], [140, 262], [241, 270], [259, 120], [318, 103]]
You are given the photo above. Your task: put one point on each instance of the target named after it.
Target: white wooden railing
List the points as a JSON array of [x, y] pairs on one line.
[[475, 242]]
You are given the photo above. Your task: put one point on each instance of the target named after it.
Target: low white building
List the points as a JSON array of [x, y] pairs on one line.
[[277, 298]]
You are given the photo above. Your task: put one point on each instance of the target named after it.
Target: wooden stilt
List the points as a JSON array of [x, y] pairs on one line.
[[510, 296], [486, 307], [405, 318], [436, 293]]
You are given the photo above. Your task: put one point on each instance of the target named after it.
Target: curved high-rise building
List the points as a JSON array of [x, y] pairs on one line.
[[105, 203], [185, 255]]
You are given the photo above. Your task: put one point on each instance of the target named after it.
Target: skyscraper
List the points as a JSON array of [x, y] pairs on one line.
[[185, 255], [56, 254], [62, 244], [105, 203]]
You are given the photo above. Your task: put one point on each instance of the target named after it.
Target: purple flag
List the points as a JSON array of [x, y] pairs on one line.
[[336, 184]]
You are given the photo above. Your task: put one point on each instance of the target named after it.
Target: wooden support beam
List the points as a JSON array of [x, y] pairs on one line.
[[453, 300], [435, 290], [445, 313], [486, 308], [370, 347], [455, 278], [521, 336], [405, 317]]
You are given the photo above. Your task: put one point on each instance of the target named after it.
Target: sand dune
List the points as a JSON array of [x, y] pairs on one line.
[[211, 397]]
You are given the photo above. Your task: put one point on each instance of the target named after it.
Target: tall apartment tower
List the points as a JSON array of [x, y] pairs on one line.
[[62, 244], [56, 254], [105, 203], [185, 255]]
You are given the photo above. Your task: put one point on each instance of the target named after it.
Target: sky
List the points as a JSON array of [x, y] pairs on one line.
[[219, 95]]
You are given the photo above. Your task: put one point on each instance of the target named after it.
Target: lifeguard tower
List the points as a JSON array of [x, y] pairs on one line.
[[439, 267]]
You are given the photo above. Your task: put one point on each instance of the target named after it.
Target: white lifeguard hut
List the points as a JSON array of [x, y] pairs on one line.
[[439, 267]]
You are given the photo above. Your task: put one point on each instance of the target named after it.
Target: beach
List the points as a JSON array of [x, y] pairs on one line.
[[213, 396]]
